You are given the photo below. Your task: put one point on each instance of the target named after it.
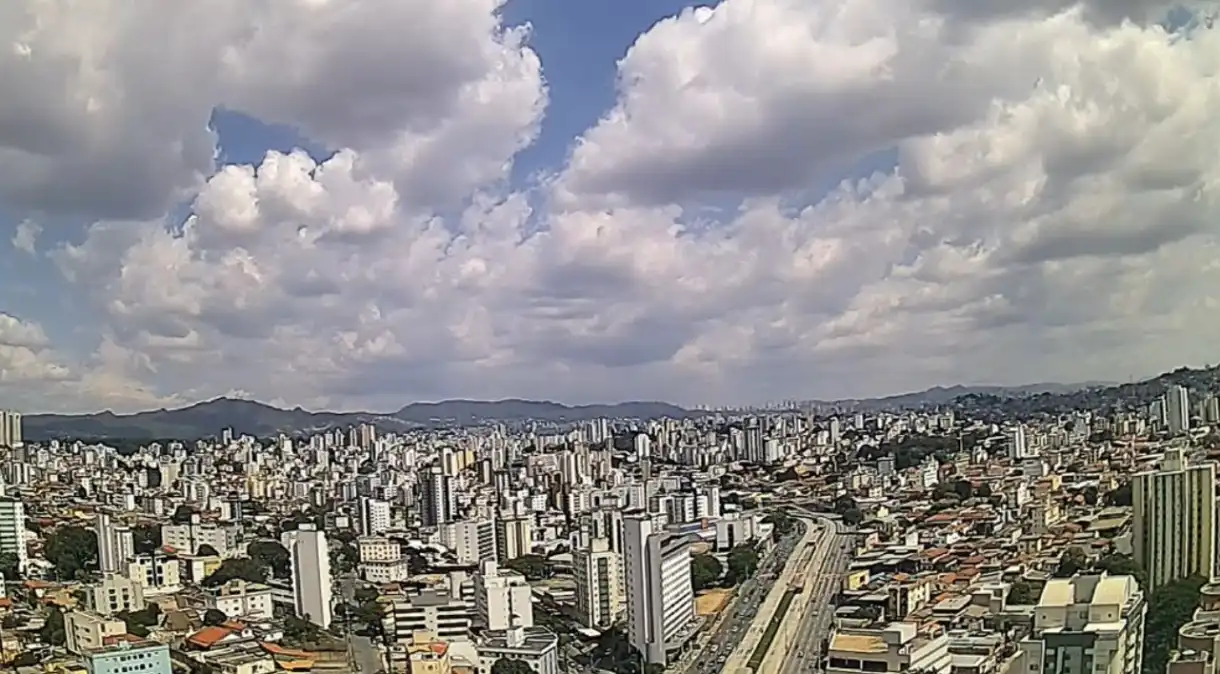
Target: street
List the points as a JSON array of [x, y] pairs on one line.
[[831, 561], [741, 612]]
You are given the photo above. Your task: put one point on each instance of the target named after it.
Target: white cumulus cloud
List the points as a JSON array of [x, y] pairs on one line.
[[1029, 195]]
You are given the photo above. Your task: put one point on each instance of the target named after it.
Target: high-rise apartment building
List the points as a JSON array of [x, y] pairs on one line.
[[1018, 444], [437, 502], [1174, 527], [514, 537], [599, 584], [1087, 625], [311, 579], [374, 516], [660, 597], [12, 531], [10, 429], [115, 544], [1177, 410], [470, 541], [502, 598]]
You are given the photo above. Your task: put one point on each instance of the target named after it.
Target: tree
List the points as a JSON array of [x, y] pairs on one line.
[[963, 489], [146, 538], [1120, 496], [1072, 562], [53, 630], [705, 571], [742, 563], [853, 517], [206, 550], [1022, 593], [533, 567], [843, 504], [300, 632], [1169, 607], [214, 617], [242, 567], [783, 523], [8, 565], [271, 555], [71, 549], [506, 666], [1122, 565]]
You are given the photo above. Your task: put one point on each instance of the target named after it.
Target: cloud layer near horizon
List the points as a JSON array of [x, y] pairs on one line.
[[1051, 213]]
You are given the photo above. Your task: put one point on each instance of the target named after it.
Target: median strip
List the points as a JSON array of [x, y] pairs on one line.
[[768, 635]]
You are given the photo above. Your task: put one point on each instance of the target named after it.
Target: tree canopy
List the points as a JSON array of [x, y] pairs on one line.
[[742, 563], [146, 538], [705, 571], [244, 568], [1122, 565], [1073, 561], [1022, 593], [506, 666], [72, 550], [533, 567], [53, 630], [1169, 607], [1120, 496], [214, 617], [271, 555]]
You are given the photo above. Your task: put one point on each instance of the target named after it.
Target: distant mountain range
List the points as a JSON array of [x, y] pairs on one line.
[[940, 395], [208, 419]]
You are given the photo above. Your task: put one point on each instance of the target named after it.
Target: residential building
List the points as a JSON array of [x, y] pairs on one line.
[[1087, 625], [114, 594], [191, 536], [12, 531], [537, 647], [502, 598], [10, 429], [240, 599], [128, 656], [514, 537], [599, 584], [87, 631], [159, 573], [437, 500], [1174, 520], [434, 612], [311, 579], [896, 647], [374, 516], [660, 597], [115, 544], [470, 541]]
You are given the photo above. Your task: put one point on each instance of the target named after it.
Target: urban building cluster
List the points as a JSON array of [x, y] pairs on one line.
[[355, 550], [951, 539]]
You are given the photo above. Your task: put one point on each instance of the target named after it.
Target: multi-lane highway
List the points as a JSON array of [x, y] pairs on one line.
[[741, 612], [822, 583]]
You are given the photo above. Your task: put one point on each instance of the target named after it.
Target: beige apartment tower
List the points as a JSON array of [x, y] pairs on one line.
[[1174, 532]]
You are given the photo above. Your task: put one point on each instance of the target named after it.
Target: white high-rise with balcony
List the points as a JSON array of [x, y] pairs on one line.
[[311, 580]]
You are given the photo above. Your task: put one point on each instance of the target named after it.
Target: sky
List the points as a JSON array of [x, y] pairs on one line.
[[362, 204]]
